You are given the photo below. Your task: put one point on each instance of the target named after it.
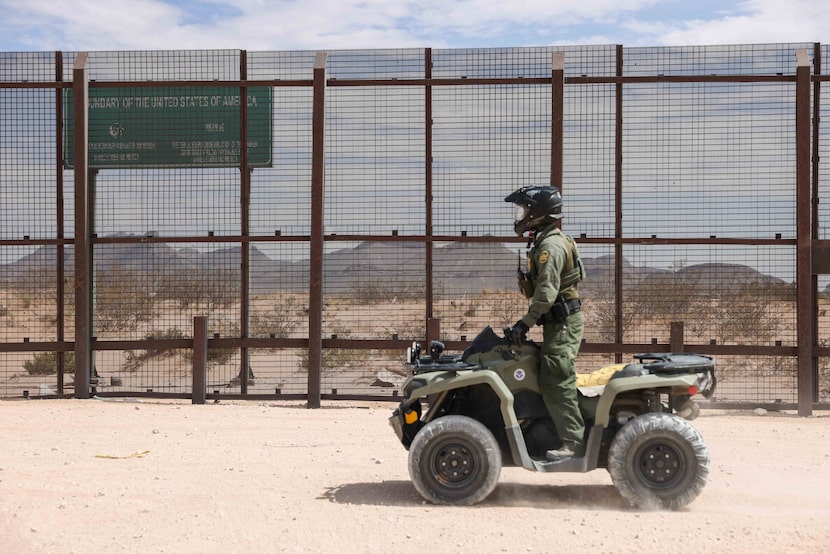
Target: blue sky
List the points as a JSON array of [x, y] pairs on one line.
[[77, 25]]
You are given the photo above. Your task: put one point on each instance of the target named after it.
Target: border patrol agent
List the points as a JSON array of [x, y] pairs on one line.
[[554, 269]]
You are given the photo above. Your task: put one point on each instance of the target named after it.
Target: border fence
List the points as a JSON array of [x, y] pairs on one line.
[[285, 224]]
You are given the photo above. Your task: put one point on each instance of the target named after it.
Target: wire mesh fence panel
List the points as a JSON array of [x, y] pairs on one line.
[[159, 65], [21, 67], [824, 151], [364, 372], [589, 160], [153, 290], [167, 203], [598, 292], [225, 370], [475, 286], [278, 290], [28, 303], [32, 374], [740, 301], [823, 224], [756, 379], [824, 341], [524, 62], [721, 60], [374, 290], [281, 193], [148, 369], [277, 371], [379, 64], [27, 147], [29, 193], [487, 141], [283, 65], [375, 161], [720, 156]]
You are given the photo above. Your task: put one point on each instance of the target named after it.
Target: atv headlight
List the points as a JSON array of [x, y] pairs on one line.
[[413, 353]]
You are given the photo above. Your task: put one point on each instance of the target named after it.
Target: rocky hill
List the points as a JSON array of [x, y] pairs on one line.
[[458, 268]]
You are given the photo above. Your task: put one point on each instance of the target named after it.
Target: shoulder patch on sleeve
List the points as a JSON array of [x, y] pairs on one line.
[[544, 257]]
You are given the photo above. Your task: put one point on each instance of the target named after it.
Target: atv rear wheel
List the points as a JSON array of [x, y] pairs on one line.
[[658, 460], [454, 460]]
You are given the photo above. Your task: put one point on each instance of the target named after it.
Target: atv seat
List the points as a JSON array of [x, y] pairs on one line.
[[663, 363]]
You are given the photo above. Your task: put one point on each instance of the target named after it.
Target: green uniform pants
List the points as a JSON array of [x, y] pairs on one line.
[[557, 378]]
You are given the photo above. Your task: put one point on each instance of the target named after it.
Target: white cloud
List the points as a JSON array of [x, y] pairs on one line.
[[284, 25], [344, 24], [762, 21]]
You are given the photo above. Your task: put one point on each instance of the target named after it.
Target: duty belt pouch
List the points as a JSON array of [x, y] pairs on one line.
[[560, 310]]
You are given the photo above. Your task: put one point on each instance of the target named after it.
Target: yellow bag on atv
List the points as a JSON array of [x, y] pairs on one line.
[[598, 377]]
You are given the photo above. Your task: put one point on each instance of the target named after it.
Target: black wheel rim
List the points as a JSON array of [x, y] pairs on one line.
[[660, 465], [454, 464]]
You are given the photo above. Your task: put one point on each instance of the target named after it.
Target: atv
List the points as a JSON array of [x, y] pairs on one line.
[[464, 416]]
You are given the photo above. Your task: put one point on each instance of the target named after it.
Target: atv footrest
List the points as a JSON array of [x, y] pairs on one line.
[[573, 465]]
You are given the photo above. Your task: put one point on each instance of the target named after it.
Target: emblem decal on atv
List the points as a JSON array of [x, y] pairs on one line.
[[519, 374]]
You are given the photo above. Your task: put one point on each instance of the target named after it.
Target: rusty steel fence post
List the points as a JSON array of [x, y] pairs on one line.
[[245, 223], [805, 301], [83, 245], [428, 215], [60, 268], [814, 231], [619, 332], [677, 331], [200, 353], [557, 89], [315, 293]]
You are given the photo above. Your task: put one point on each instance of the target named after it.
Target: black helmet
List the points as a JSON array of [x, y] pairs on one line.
[[540, 205]]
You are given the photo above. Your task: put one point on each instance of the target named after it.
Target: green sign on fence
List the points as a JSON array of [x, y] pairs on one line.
[[136, 127]]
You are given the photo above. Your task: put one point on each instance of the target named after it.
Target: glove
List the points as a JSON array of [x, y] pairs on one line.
[[518, 334]]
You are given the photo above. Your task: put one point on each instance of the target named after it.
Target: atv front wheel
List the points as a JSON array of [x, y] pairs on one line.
[[658, 460], [454, 460]]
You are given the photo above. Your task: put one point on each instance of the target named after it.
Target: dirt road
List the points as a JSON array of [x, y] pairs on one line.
[[158, 476]]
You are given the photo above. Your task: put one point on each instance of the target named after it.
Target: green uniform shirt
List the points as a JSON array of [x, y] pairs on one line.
[[550, 257]]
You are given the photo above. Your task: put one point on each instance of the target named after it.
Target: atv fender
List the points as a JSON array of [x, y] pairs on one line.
[[441, 382], [624, 384], [438, 382]]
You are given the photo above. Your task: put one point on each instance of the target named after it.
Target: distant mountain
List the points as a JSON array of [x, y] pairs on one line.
[[393, 267]]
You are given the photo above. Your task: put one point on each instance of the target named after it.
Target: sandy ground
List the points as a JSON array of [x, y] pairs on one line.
[[162, 476]]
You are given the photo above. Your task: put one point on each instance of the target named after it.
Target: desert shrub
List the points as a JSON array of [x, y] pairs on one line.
[[408, 328], [379, 291], [124, 299], [136, 358], [46, 363], [336, 359], [283, 317], [214, 355]]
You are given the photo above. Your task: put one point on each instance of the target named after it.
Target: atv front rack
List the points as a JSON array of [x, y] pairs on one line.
[[436, 361]]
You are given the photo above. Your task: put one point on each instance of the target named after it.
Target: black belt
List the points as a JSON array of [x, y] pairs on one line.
[[560, 310]]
